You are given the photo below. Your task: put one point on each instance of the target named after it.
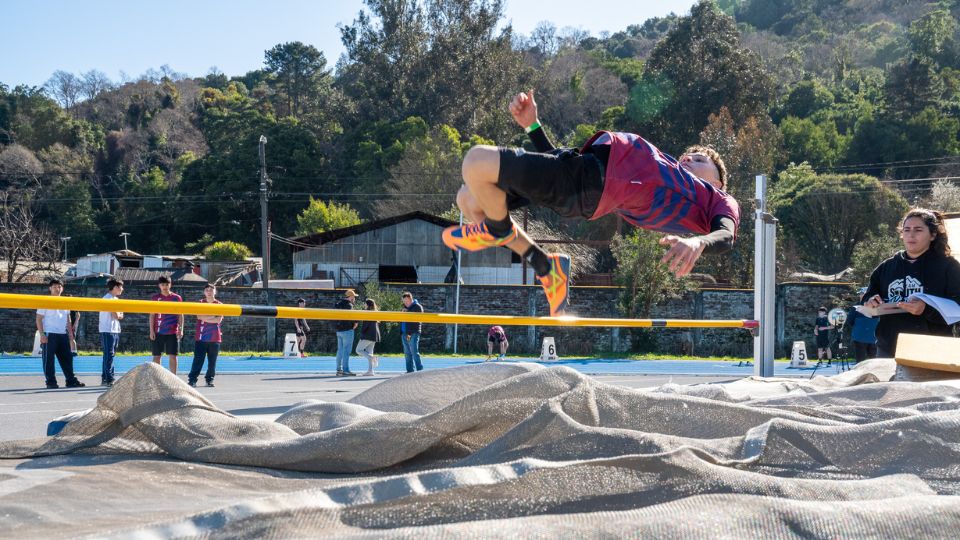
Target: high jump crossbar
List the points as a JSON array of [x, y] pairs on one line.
[[31, 301]]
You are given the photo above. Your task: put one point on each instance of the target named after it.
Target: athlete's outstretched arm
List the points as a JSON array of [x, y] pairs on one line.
[[684, 252]]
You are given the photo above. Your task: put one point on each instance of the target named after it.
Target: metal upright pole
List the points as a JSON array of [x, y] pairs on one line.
[[456, 301], [65, 239], [764, 278], [264, 226]]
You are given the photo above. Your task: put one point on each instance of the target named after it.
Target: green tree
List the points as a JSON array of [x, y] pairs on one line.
[[878, 245], [226, 250], [198, 245], [68, 205], [818, 214], [912, 85], [322, 216], [377, 147], [747, 151], [706, 68], [816, 143], [150, 205], [383, 48], [442, 60], [220, 189], [932, 34], [806, 98], [885, 138], [28, 117], [427, 175], [300, 74], [646, 280]]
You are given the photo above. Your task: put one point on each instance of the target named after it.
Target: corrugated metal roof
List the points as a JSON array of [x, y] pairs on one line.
[[178, 275], [336, 234]]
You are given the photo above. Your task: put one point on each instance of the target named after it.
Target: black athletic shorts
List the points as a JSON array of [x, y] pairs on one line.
[[566, 181], [166, 344]]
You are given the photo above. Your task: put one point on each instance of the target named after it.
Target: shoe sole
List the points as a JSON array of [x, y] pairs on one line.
[[565, 271]]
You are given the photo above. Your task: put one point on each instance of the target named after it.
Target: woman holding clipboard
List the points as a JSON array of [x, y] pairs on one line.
[[925, 265]]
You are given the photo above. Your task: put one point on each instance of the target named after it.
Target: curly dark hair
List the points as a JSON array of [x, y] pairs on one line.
[[934, 221]]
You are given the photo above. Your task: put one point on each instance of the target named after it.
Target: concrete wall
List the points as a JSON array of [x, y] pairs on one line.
[[796, 311]]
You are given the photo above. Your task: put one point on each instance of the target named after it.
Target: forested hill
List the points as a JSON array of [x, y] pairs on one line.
[[853, 107]]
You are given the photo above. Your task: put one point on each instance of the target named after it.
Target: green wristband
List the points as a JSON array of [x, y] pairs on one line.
[[533, 127]]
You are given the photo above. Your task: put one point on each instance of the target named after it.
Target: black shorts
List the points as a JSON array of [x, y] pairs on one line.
[[823, 339], [494, 339], [166, 343], [566, 181]]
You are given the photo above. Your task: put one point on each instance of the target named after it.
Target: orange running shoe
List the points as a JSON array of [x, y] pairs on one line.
[[555, 284], [474, 237]]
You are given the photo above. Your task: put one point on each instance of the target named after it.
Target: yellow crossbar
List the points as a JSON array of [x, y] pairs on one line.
[[31, 301]]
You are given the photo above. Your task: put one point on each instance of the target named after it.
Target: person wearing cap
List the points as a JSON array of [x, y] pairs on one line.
[[345, 335], [302, 328]]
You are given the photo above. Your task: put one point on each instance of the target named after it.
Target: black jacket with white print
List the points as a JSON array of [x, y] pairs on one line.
[[896, 278]]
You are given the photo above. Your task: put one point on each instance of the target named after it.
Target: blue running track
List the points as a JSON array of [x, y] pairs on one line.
[[90, 365]]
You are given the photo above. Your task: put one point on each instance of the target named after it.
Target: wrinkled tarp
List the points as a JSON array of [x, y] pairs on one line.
[[503, 450]]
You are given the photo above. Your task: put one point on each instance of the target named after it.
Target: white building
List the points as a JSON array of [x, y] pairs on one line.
[[241, 273]]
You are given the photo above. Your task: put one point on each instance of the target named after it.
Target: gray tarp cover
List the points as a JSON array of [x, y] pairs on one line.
[[501, 450]]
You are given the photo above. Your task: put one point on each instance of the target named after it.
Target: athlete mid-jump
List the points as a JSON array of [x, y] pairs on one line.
[[612, 172]]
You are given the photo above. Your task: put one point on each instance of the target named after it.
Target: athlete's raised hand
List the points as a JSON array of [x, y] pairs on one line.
[[523, 108], [683, 253]]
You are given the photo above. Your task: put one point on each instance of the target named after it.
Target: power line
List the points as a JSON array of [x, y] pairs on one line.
[[889, 163]]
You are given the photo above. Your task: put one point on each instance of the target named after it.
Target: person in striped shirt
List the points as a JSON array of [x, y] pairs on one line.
[[166, 330], [207, 340]]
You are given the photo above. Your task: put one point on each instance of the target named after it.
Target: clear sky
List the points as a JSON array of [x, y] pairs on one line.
[[191, 36]]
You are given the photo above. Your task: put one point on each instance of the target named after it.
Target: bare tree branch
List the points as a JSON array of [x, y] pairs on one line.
[[27, 250]]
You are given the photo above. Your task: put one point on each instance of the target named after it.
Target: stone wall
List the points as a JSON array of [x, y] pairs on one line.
[[796, 311]]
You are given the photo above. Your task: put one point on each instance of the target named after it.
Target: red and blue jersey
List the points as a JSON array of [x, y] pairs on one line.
[[651, 190], [208, 332], [167, 324]]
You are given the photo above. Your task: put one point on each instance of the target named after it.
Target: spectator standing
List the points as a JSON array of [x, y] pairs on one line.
[[75, 323], [166, 330], [369, 337], [207, 340], [56, 334], [821, 329], [345, 335], [497, 336], [863, 331], [302, 329], [110, 331], [410, 334], [924, 266]]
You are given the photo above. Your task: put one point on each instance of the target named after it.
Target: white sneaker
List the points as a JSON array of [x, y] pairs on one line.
[[369, 374]]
